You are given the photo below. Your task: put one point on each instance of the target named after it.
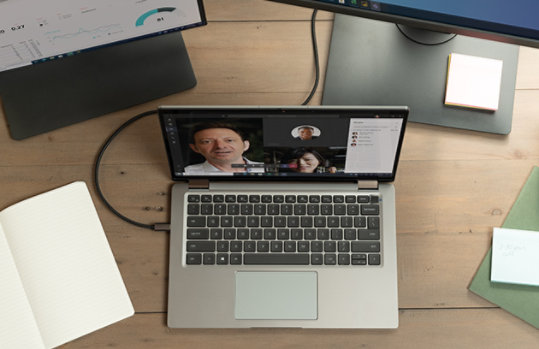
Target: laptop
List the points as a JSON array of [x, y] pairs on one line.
[[283, 216]]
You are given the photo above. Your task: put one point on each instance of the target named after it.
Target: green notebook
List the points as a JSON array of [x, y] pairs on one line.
[[521, 301]]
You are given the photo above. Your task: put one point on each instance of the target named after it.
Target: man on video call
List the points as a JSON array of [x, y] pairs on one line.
[[222, 145]]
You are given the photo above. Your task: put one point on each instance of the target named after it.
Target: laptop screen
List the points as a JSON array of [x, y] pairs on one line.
[[287, 143]]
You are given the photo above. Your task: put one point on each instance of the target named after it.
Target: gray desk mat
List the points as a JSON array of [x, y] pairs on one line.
[[372, 63]]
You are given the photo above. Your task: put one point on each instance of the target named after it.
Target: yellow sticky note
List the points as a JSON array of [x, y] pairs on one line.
[[473, 82]]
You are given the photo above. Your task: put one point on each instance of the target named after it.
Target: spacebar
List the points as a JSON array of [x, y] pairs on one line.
[[275, 258]]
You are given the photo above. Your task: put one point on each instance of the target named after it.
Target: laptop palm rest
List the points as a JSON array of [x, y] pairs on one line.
[[276, 296]]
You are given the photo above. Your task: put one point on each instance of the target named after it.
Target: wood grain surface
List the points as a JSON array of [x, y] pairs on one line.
[[453, 186]]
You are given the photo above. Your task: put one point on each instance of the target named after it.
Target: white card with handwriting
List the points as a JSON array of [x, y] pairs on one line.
[[515, 256]]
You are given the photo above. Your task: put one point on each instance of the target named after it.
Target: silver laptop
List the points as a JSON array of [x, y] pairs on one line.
[[283, 216]]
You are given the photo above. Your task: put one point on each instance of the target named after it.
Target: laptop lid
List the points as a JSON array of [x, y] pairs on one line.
[[319, 143]]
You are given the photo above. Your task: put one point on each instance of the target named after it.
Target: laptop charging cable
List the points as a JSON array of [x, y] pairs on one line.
[[155, 226], [166, 226]]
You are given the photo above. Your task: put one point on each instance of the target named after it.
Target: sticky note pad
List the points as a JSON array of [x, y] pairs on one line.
[[515, 256], [473, 82]]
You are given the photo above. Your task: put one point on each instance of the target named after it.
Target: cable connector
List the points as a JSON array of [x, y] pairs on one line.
[[161, 227]]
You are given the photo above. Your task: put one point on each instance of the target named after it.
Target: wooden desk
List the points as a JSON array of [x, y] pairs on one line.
[[452, 187]]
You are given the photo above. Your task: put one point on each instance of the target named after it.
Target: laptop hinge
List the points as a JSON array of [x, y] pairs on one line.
[[361, 185], [199, 183]]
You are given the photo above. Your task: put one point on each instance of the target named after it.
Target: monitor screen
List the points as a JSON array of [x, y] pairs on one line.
[[310, 143], [34, 31], [515, 21]]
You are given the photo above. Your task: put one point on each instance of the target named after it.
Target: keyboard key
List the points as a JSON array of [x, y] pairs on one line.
[[314, 199], [254, 198], [206, 198], [322, 234], [193, 198], [330, 246], [206, 209], [344, 259], [193, 209], [327, 199], [236, 246], [262, 246], [296, 234], [222, 258], [222, 246], [370, 210], [195, 233], [303, 199], [360, 222], [230, 234], [209, 258], [330, 259], [193, 258], [278, 199], [196, 221], [270, 234], [290, 246], [276, 246], [283, 234], [350, 234], [218, 198], [358, 246], [363, 199], [243, 234], [249, 246], [317, 246], [373, 222], [303, 246], [290, 199], [216, 233], [343, 246], [317, 259], [276, 259], [338, 199], [359, 259], [374, 259], [219, 209], [336, 234], [235, 258], [266, 199], [368, 234], [200, 246], [243, 198]]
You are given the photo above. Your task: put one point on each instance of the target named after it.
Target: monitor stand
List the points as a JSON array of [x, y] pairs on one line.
[[51, 95], [373, 63]]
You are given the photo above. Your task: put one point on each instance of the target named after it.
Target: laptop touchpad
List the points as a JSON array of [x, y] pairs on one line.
[[276, 295]]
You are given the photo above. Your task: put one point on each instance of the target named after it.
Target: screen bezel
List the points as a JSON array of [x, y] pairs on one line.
[[165, 111], [425, 20]]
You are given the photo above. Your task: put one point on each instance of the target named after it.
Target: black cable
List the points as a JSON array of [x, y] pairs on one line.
[[96, 173], [424, 43], [160, 226], [316, 62]]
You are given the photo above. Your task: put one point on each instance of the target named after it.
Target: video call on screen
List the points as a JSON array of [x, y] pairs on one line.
[[272, 145]]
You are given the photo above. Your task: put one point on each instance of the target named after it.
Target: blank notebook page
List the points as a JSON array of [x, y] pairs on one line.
[[18, 328], [68, 271]]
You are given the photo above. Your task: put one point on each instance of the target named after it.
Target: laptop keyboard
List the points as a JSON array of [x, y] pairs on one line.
[[283, 229]]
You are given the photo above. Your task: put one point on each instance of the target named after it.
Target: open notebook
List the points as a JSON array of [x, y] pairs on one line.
[[59, 279]]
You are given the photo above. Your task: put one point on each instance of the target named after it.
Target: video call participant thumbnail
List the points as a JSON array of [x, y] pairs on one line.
[[223, 146], [306, 160]]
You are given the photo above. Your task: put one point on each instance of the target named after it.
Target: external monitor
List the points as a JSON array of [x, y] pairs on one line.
[[65, 61], [396, 52]]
